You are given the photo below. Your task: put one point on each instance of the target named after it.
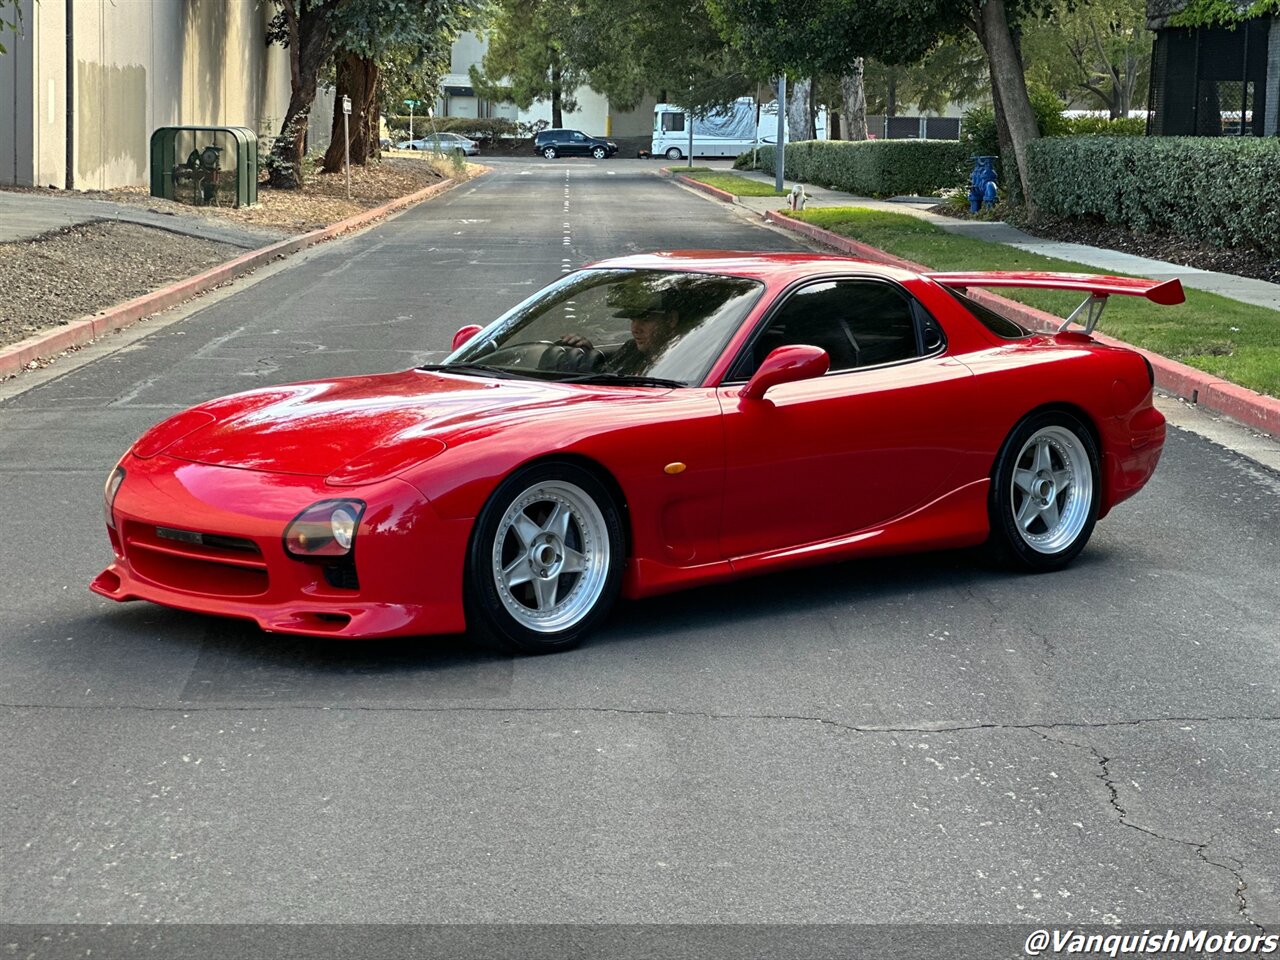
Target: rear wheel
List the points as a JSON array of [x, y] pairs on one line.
[[549, 152], [1044, 500], [674, 153], [546, 559]]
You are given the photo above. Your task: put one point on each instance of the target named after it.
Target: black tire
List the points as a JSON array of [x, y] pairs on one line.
[[554, 607], [549, 152], [673, 153], [1045, 492], [599, 153]]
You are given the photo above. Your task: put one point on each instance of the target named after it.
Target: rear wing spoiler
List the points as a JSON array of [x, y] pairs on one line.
[[1098, 286]]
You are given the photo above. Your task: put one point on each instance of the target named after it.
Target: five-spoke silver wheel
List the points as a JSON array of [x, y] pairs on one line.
[[1045, 491], [546, 558], [1052, 489], [550, 556]]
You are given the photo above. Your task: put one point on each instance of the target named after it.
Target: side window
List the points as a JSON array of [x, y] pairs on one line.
[[578, 136], [673, 122], [859, 323]]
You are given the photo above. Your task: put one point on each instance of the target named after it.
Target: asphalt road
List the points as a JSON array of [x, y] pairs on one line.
[[919, 740]]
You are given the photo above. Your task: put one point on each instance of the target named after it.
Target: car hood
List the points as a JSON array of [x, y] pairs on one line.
[[363, 429]]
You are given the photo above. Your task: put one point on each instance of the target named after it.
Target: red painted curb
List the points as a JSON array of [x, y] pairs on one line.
[[76, 333], [1215, 395]]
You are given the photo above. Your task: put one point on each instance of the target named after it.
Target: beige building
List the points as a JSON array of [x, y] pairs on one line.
[[86, 82], [595, 115]]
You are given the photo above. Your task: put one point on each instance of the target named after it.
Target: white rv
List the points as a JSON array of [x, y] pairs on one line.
[[722, 133]]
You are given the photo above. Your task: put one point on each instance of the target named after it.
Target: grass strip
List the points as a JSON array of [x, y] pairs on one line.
[[729, 182], [1236, 341]]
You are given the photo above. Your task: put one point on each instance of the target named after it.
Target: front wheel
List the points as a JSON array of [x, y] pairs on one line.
[[1044, 498], [549, 153], [674, 153], [599, 153], [546, 559]]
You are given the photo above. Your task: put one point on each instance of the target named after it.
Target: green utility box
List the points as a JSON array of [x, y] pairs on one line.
[[205, 165]]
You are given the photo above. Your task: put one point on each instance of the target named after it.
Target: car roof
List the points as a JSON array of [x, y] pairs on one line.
[[775, 267]]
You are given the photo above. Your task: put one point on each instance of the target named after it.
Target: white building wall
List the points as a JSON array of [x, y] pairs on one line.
[[139, 65]]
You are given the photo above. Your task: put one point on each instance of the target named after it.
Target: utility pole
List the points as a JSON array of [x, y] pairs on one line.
[[782, 132], [346, 133], [411, 104]]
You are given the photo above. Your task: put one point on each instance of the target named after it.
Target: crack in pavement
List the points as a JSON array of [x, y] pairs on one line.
[[267, 707], [1198, 848]]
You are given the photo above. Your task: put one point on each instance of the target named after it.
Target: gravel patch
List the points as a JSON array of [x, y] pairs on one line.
[[75, 271]]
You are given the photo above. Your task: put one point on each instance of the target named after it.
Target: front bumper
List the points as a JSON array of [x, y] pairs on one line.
[[408, 562]]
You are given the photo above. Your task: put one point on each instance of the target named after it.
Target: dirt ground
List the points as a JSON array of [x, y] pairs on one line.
[[77, 271]]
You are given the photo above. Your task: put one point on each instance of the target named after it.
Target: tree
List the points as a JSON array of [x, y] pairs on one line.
[[531, 56], [378, 32], [671, 48], [313, 31], [853, 102], [6, 24], [1223, 13], [807, 35], [306, 28], [1101, 50]]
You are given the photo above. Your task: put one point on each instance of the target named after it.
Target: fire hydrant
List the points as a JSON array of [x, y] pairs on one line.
[[982, 183], [797, 198]]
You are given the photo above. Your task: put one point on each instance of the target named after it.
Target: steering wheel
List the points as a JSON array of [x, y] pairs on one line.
[[546, 355], [562, 357]]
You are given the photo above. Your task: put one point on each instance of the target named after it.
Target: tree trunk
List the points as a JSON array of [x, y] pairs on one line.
[[891, 96], [853, 103], [798, 124], [1008, 84], [1008, 165], [310, 43], [358, 79], [557, 116]]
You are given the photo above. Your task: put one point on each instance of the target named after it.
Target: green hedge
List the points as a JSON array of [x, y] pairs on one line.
[[1102, 127], [875, 168], [1220, 190]]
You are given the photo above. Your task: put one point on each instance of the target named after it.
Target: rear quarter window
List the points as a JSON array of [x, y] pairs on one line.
[[996, 322]]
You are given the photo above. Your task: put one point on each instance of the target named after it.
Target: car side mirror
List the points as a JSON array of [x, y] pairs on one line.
[[465, 334], [786, 365]]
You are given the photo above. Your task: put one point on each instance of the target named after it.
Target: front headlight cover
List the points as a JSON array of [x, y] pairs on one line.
[[109, 492], [325, 529]]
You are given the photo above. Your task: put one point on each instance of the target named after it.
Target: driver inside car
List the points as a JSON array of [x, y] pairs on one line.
[[654, 321]]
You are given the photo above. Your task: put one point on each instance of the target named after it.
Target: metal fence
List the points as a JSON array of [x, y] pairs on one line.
[[1212, 82]]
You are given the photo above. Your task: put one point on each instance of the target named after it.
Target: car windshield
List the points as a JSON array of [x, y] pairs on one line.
[[646, 327]]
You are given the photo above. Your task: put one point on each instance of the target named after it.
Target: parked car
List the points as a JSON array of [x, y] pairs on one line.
[[647, 424], [442, 143], [572, 143]]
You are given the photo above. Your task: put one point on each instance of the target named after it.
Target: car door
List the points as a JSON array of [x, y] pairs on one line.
[[578, 144], [877, 436]]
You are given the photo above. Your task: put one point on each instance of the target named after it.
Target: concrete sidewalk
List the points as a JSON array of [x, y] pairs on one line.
[[26, 215], [1246, 290]]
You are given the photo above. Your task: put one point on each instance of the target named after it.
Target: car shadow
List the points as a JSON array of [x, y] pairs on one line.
[[235, 661]]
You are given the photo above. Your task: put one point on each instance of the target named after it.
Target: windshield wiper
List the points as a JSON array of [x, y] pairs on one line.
[[476, 368], [623, 379]]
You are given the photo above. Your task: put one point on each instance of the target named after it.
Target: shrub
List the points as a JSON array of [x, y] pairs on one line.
[[875, 168], [1104, 127], [1219, 190], [743, 161]]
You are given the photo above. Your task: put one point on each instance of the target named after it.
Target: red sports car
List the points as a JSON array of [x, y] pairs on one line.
[[646, 424]]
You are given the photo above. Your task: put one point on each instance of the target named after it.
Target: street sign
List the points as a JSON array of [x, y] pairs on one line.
[[411, 103], [346, 104]]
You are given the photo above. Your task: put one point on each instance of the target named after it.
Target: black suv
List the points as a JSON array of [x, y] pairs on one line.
[[572, 143]]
